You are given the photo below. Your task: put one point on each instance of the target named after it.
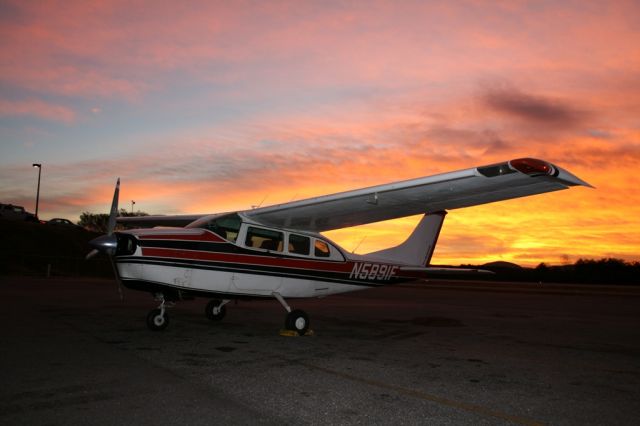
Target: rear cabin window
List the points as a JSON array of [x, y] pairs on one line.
[[321, 249], [299, 244], [265, 239]]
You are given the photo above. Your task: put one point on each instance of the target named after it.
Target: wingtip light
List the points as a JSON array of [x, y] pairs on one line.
[[533, 167]]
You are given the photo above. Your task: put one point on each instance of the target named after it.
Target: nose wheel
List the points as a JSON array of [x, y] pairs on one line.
[[158, 319]]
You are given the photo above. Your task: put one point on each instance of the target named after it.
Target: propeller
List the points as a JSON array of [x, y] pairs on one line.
[[108, 243]]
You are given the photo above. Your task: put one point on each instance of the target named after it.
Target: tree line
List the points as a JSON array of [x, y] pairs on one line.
[[602, 271], [97, 222]]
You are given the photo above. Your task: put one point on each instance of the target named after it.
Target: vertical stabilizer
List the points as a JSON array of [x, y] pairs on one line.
[[418, 248]]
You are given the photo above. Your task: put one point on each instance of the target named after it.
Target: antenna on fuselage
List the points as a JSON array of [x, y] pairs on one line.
[[356, 248], [261, 202]]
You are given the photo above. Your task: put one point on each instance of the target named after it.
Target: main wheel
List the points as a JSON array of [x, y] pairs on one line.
[[297, 320], [156, 321], [215, 310]]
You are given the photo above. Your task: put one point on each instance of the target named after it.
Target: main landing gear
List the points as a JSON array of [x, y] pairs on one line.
[[215, 309], [296, 319]]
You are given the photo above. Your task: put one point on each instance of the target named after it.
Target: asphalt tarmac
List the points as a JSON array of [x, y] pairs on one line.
[[438, 353]]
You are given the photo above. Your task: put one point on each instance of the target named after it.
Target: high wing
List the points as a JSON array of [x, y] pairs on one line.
[[479, 185], [463, 188]]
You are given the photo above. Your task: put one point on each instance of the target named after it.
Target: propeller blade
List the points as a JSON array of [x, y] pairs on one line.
[[114, 209], [91, 254], [108, 243], [117, 277]]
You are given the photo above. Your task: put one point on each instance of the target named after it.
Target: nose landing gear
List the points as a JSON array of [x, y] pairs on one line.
[[158, 319]]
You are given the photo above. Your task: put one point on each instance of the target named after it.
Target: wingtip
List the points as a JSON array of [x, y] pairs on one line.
[[571, 179], [580, 182]]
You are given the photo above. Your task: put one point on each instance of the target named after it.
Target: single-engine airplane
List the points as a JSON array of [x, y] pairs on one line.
[[278, 252]]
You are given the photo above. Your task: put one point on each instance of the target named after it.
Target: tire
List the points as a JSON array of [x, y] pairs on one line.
[[214, 311], [298, 321], [157, 322]]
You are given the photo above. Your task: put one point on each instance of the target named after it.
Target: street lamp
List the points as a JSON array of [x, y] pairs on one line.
[[39, 166], [132, 203]]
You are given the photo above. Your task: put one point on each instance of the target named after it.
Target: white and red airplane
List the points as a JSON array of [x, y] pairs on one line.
[[278, 251]]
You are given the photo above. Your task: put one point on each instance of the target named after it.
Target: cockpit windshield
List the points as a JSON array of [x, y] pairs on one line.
[[226, 226]]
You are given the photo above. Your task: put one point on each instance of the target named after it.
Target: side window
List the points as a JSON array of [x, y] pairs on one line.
[[299, 244], [321, 249], [231, 225], [226, 226], [265, 239]]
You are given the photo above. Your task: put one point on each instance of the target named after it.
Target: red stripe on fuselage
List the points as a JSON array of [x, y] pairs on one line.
[[204, 236], [248, 259]]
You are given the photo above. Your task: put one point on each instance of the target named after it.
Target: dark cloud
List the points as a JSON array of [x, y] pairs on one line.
[[532, 108], [12, 13], [496, 145], [468, 142], [599, 134]]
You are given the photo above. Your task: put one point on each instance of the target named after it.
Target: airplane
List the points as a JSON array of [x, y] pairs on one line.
[[278, 252]]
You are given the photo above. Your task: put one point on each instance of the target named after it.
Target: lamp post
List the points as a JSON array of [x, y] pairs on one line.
[[132, 204], [39, 166]]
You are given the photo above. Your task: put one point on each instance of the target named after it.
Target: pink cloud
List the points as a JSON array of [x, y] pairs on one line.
[[37, 108], [118, 49]]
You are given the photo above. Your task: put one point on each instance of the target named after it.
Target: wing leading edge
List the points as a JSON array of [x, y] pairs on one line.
[[479, 185]]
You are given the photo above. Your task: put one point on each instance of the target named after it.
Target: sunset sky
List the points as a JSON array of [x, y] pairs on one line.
[[205, 106]]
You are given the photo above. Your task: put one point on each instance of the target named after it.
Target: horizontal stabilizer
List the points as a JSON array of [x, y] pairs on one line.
[[439, 271]]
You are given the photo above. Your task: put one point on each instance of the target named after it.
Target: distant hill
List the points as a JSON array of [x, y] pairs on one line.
[[500, 264]]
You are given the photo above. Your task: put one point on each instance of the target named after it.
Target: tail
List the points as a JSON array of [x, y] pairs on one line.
[[418, 248]]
